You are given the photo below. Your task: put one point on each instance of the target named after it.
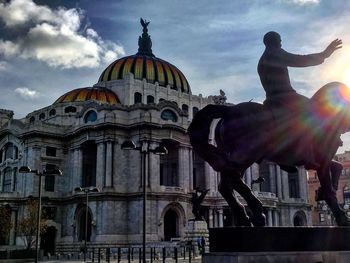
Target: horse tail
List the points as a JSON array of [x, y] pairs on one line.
[[199, 130]]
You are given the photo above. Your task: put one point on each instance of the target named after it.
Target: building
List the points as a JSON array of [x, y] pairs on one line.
[[141, 98], [321, 215]]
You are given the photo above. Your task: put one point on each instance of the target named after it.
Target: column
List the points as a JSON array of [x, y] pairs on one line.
[[154, 168], [77, 168], [100, 164], [190, 169], [181, 166], [221, 218], [109, 164], [269, 217], [211, 218], [207, 172], [276, 217], [302, 183], [279, 182], [285, 185], [272, 176]]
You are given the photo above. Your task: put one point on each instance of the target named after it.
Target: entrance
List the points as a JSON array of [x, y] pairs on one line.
[[47, 243], [170, 225], [81, 233]]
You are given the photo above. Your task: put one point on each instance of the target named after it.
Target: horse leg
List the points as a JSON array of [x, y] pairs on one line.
[[258, 218], [329, 196], [226, 187]]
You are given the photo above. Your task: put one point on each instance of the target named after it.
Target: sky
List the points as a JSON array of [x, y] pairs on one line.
[[48, 48]]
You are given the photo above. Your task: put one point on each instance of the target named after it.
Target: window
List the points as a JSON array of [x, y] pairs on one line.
[[52, 112], [150, 99], [169, 115], [49, 178], [194, 111], [90, 116], [293, 182], [321, 217], [14, 185], [89, 151], [6, 184], [49, 213], [169, 165], [184, 108], [137, 97], [11, 151], [50, 151], [32, 119], [346, 195], [70, 109], [42, 116]]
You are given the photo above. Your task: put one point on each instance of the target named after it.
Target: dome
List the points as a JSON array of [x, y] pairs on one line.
[[145, 65], [100, 95]]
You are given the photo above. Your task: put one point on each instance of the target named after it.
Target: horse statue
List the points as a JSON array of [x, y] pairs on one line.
[[251, 132]]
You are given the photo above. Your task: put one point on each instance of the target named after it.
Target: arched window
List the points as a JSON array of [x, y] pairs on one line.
[[184, 108], [52, 112], [90, 116], [70, 109], [194, 111], [7, 181], [169, 115], [150, 99], [89, 150], [42, 116], [11, 151], [137, 97], [346, 194], [170, 225], [32, 119]]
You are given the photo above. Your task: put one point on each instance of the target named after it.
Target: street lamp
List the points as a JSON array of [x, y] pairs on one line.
[[144, 150], [55, 171], [86, 190]]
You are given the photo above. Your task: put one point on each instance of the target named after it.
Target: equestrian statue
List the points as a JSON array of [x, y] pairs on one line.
[[288, 129]]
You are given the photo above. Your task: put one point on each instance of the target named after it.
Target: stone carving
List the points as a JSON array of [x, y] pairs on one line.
[[220, 99], [145, 42], [196, 199]]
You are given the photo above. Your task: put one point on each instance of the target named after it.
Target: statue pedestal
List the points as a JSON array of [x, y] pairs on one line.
[[194, 231], [279, 244]]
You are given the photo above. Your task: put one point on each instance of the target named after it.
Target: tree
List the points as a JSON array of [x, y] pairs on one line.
[[27, 225], [5, 223]]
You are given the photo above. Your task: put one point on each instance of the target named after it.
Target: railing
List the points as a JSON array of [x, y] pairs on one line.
[[133, 254]]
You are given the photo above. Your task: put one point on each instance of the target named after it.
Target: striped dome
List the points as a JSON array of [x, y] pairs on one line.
[[146, 67], [100, 95]]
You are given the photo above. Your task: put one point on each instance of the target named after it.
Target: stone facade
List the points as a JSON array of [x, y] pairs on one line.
[[83, 137], [321, 215]]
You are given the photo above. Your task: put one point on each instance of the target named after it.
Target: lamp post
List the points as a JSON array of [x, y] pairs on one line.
[[144, 150], [86, 190], [26, 169]]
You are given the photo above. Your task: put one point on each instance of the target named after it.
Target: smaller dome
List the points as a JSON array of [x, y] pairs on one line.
[[100, 95]]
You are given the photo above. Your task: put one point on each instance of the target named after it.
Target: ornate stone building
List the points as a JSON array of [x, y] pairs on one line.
[[141, 98], [321, 215]]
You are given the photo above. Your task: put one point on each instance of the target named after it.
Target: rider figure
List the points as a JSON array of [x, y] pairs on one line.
[[281, 98]]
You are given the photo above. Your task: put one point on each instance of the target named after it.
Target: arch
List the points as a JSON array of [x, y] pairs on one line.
[[52, 112], [137, 97], [90, 116], [41, 116], [168, 115], [150, 99], [81, 222], [48, 240], [299, 219], [173, 219], [184, 108]]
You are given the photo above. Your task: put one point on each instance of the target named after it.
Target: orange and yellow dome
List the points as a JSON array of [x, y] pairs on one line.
[[151, 68], [101, 95]]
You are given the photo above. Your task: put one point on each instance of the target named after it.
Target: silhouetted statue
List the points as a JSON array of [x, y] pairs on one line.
[[196, 200], [145, 42], [280, 131]]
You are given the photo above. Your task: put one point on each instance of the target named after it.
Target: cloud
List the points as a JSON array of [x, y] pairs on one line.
[[304, 2], [56, 37], [26, 93]]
